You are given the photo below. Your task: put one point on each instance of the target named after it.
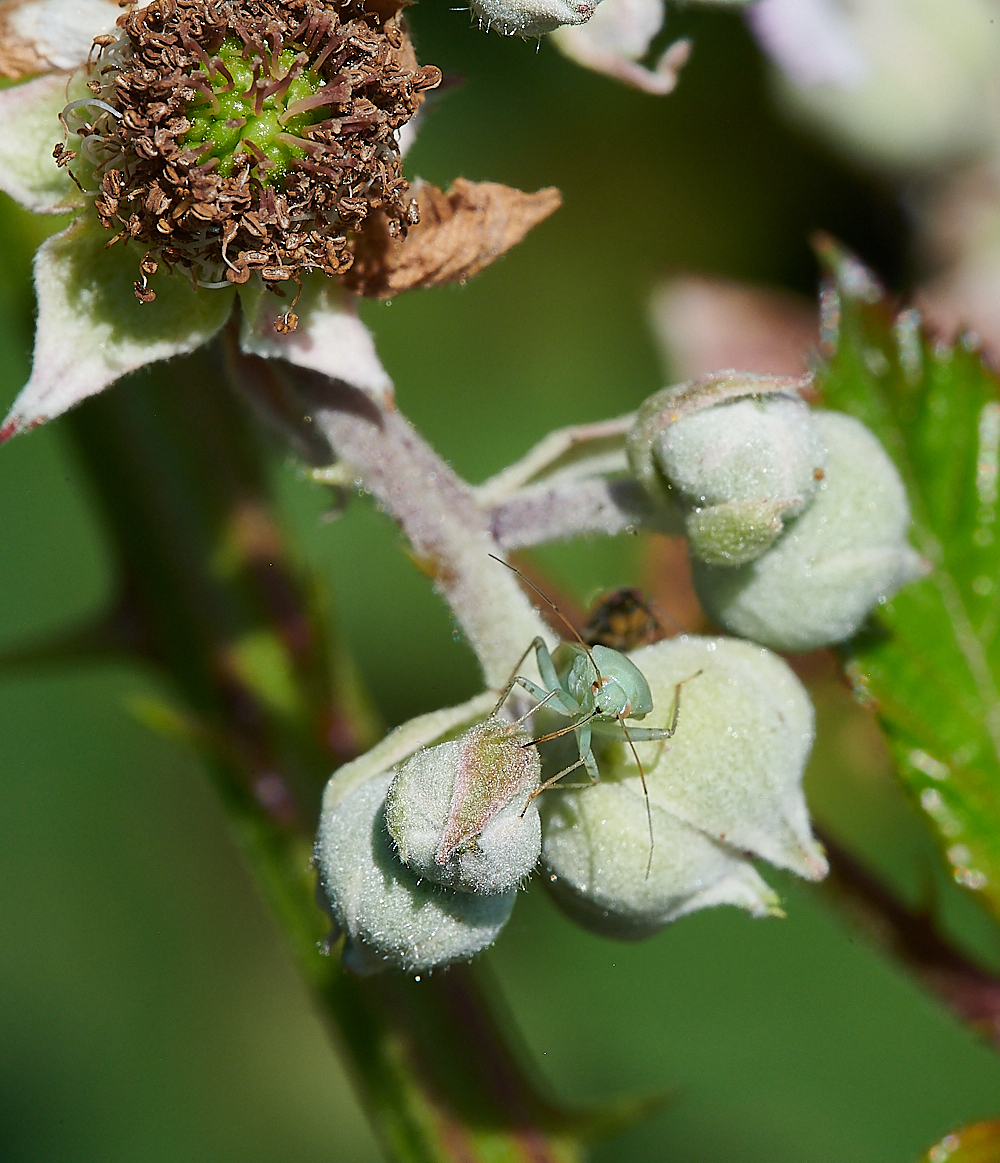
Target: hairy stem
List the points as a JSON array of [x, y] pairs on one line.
[[449, 534], [578, 508]]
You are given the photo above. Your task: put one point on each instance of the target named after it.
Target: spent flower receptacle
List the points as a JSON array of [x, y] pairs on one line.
[[240, 152]]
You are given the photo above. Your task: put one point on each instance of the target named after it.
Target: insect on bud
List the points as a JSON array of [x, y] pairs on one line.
[[390, 917], [725, 787], [530, 18], [738, 453], [846, 553], [459, 812]]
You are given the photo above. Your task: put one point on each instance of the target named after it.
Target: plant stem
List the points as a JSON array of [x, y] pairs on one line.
[[449, 534]]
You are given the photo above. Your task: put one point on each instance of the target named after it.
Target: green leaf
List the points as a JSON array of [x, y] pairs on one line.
[[976, 1143], [929, 661]]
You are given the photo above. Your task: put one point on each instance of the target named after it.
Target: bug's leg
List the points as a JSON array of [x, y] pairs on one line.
[[562, 731], [546, 667], [614, 730], [533, 689], [587, 752], [677, 703], [555, 779], [586, 760], [527, 714], [513, 674], [645, 791]]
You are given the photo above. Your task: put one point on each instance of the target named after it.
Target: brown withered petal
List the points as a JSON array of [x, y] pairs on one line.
[[18, 56], [459, 233], [34, 40]]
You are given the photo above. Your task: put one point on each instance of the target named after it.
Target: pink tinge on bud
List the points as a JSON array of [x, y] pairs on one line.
[[493, 767]]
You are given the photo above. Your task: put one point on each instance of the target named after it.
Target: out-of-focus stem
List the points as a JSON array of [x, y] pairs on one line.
[[968, 991], [210, 598]]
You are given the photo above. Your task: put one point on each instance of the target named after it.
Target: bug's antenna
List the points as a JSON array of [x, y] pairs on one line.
[[645, 791], [545, 598]]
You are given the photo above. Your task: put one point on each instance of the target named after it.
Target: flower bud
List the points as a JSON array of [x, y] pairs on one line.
[[726, 786], [739, 453], [388, 915], [597, 847], [843, 555], [459, 812], [531, 18]]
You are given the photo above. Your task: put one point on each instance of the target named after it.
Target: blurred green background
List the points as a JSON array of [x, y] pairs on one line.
[[148, 1009]]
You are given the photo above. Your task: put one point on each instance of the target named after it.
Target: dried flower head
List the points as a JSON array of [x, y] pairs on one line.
[[239, 144], [230, 137]]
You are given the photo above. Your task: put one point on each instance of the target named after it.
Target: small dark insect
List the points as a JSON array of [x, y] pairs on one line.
[[623, 620]]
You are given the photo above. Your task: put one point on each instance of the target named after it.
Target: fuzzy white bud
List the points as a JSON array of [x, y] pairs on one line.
[[845, 553], [530, 18], [738, 453], [728, 784], [459, 812], [391, 917]]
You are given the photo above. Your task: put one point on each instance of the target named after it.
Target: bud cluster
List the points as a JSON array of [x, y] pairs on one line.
[[797, 518], [797, 521], [420, 865]]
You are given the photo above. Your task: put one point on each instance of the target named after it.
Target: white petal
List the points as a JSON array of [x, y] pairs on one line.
[[61, 32], [29, 128], [812, 40], [91, 328], [330, 338], [616, 36]]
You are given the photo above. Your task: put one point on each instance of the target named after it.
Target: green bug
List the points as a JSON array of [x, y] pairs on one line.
[[597, 688]]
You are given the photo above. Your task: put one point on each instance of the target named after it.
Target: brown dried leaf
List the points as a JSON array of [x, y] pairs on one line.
[[459, 233]]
